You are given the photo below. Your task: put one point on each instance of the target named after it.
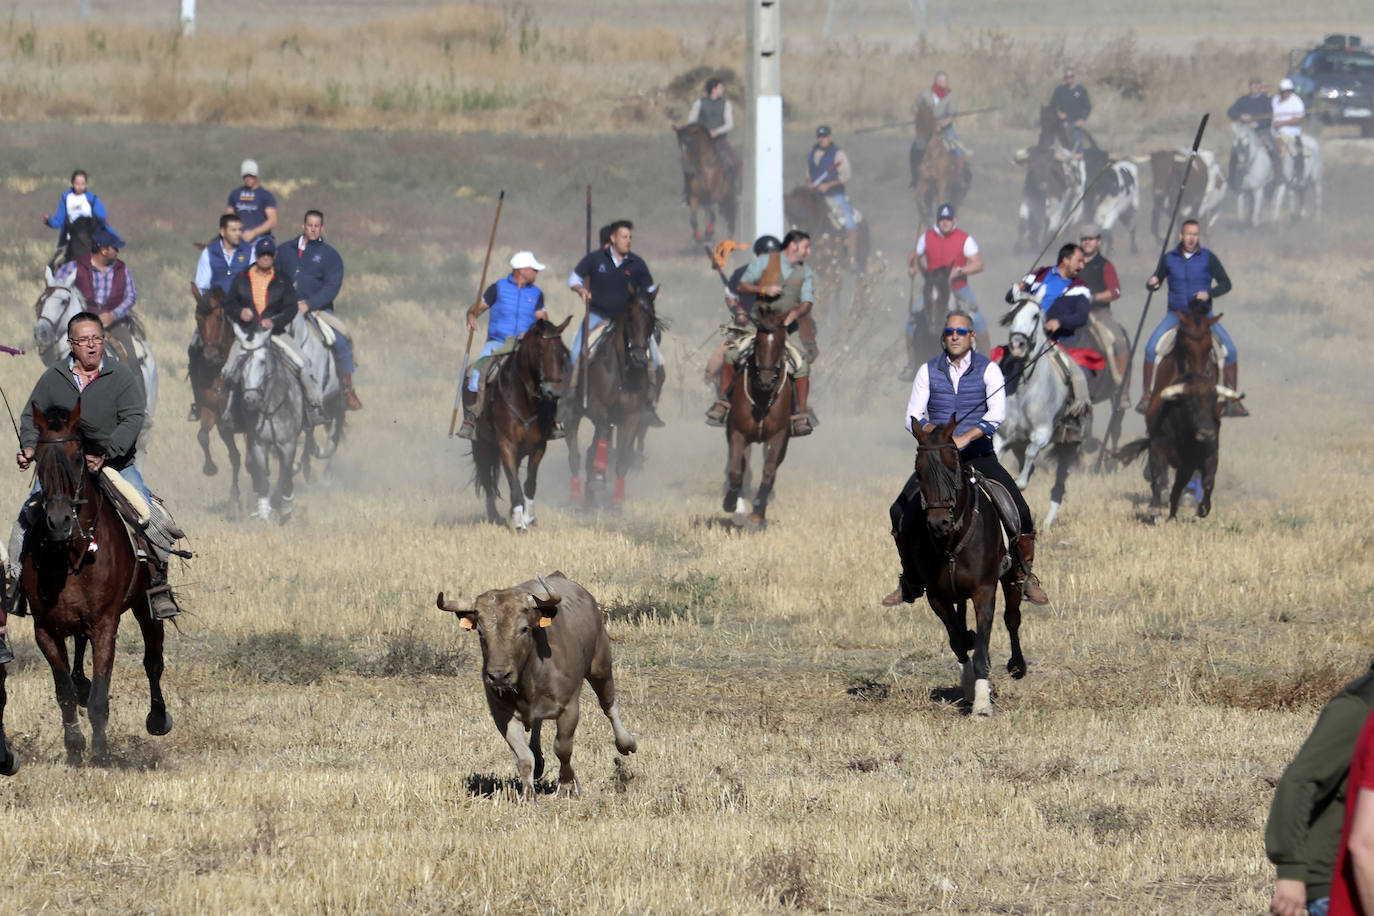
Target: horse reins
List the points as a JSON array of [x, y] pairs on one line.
[[965, 518]]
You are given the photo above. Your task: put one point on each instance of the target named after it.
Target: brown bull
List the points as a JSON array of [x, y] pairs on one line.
[[540, 639]]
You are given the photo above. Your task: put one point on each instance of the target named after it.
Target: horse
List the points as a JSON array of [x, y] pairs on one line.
[[322, 373], [58, 304], [216, 332], [1183, 420], [1290, 182], [618, 381], [522, 400], [269, 408], [74, 590], [1032, 408], [80, 233], [760, 411], [930, 320], [807, 209], [961, 556], [1252, 172], [943, 176], [708, 185]]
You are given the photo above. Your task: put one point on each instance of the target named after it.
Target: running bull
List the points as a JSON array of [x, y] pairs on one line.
[[539, 640]]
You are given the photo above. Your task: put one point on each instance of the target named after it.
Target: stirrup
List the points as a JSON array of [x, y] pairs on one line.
[[717, 413], [469, 428], [194, 415], [161, 604], [801, 425]]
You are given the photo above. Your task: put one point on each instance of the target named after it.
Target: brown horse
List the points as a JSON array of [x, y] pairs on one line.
[[960, 555], [808, 211], [522, 400], [619, 378], [76, 590], [707, 182], [216, 336], [942, 177], [760, 411]]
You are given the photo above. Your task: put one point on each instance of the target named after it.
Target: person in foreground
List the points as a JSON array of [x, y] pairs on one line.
[[964, 382]]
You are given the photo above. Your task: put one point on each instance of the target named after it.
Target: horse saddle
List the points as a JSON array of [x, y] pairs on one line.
[[1166, 345], [1005, 505], [836, 214], [148, 517], [330, 326], [289, 353], [139, 337], [596, 334]]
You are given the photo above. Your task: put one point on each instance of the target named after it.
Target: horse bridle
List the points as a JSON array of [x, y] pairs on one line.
[[777, 368], [77, 498], [531, 391]]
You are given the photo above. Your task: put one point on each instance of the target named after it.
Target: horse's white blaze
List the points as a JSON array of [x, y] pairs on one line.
[[982, 697]]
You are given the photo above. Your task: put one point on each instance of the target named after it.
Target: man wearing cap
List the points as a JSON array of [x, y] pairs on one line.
[[107, 285], [828, 168], [781, 282], [316, 271], [944, 246], [253, 203], [1099, 275], [1288, 111], [714, 112], [224, 258], [1071, 103], [515, 304]]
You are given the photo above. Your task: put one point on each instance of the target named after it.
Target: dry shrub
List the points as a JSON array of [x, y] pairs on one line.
[[785, 877], [407, 653], [287, 657], [1308, 687]]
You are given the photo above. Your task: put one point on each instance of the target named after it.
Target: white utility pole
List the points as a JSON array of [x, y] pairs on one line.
[[765, 83], [188, 18]]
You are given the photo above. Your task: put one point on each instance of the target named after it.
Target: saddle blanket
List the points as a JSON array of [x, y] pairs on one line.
[[1166, 345], [1086, 357]]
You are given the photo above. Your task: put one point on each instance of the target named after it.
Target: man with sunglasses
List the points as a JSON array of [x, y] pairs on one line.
[[963, 382]]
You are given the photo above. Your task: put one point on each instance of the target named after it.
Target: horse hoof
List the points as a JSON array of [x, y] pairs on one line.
[[210, 469], [10, 765], [158, 724], [1017, 668]]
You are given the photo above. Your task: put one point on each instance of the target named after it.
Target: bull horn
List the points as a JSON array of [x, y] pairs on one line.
[[550, 596], [1171, 392], [452, 607], [1231, 393]]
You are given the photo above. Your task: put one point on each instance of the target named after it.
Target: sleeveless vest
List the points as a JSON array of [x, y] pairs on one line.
[[223, 270], [712, 113], [824, 166], [969, 402], [1188, 276], [85, 284], [513, 312], [1093, 276], [947, 251]]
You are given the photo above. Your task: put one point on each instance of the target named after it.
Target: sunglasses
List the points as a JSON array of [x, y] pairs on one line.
[[962, 332]]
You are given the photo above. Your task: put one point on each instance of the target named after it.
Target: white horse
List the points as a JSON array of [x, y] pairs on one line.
[[1031, 411], [1252, 174], [322, 376], [1299, 185], [55, 307]]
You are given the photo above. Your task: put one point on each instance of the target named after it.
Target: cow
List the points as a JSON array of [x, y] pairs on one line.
[[1203, 196], [539, 641], [1053, 181], [1115, 198]]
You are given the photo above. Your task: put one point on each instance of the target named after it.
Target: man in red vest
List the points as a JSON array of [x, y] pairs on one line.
[[106, 284], [946, 245]]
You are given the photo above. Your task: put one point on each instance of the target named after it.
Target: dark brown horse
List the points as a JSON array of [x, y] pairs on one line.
[[708, 184], [522, 400], [760, 411], [942, 177], [961, 556], [217, 336], [620, 377], [808, 211], [75, 590], [1183, 420]]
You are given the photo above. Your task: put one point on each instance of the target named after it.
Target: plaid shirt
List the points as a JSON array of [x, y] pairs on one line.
[[100, 283]]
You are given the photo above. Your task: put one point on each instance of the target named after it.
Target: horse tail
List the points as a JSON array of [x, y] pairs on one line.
[[1132, 450], [487, 464]]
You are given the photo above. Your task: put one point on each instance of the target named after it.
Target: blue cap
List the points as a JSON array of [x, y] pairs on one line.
[[265, 245], [946, 211], [104, 237], [823, 130]]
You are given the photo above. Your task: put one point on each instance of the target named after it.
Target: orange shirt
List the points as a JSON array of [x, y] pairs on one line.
[[260, 283]]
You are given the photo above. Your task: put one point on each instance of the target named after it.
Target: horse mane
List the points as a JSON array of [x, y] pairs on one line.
[[53, 460], [942, 477]]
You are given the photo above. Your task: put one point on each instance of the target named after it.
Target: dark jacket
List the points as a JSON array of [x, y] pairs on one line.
[[1258, 107], [1074, 103], [1303, 834], [281, 301], [111, 409], [609, 284], [317, 275]]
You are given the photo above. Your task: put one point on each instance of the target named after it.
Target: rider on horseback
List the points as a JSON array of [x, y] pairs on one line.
[[1099, 275], [1288, 111], [515, 304], [781, 283], [963, 382], [1072, 106], [253, 203], [316, 271], [946, 245], [740, 304], [1067, 305], [942, 102], [827, 166], [1192, 272], [107, 285], [714, 112], [1255, 110], [77, 201], [112, 407], [223, 259]]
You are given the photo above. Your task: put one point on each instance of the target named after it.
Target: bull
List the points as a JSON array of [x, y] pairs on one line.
[[540, 640], [1203, 195]]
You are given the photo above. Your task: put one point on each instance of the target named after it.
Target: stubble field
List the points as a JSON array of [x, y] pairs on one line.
[[332, 750]]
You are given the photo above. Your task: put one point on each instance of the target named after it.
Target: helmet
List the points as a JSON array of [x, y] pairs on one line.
[[767, 244]]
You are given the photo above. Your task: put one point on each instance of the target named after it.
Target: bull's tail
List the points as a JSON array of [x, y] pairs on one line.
[[1132, 450]]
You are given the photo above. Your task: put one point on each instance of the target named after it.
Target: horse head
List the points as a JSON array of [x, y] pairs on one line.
[[212, 324], [57, 303], [941, 475], [769, 357], [638, 326], [1026, 331], [61, 469], [935, 289], [542, 356], [256, 371]]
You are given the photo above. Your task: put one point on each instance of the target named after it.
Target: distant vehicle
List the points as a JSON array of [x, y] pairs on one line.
[[1336, 81]]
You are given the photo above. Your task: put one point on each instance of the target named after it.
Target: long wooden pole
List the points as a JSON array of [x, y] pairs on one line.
[[586, 315], [481, 285]]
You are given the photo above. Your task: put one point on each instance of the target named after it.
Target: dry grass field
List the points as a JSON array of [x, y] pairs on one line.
[[332, 751]]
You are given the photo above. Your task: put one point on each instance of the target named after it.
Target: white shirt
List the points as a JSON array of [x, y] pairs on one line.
[[1283, 110], [993, 381], [78, 205], [970, 246]]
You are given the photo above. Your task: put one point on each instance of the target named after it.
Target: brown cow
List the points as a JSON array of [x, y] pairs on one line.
[[539, 640]]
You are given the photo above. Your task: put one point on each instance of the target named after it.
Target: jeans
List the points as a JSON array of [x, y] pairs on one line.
[[1318, 907], [596, 320], [1171, 321], [965, 295], [343, 350], [838, 198]]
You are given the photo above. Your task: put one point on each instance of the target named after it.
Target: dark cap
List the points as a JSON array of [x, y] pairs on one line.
[[265, 245], [946, 211], [823, 130], [104, 237], [766, 244]]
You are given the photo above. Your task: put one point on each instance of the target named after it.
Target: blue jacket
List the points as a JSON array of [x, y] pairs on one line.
[[58, 220], [512, 308], [224, 270], [1068, 300], [1190, 276], [969, 402], [317, 275]]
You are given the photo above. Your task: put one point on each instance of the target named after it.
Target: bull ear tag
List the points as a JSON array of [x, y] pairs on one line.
[[466, 623], [545, 621]]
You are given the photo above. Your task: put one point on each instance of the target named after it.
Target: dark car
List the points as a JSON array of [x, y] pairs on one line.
[[1336, 81]]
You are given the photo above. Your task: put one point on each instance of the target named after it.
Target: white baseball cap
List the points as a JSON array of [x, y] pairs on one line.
[[1285, 84], [249, 167], [524, 259]]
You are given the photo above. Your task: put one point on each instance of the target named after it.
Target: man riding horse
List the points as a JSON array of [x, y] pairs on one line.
[[1099, 275], [515, 304], [714, 112], [223, 259], [964, 383], [945, 246], [111, 404], [316, 271], [1255, 110], [1288, 110], [740, 305], [781, 283], [1066, 304], [827, 167], [940, 98], [107, 285]]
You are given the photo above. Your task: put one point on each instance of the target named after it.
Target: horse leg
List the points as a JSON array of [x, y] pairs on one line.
[[158, 721], [574, 461], [624, 453], [532, 480], [1038, 440], [235, 497], [55, 650], [958, 637], [984, 606], [258, 472], [1066, 456], [285, 491], [82, 683], [209, 469], [102, 667], [1011, 616], [710, 219], [692, 210], [510, 463], [738, 450], [774, 451]]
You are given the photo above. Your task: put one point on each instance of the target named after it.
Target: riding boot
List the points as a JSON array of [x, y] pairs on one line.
[[469, 428], [909, 586], [1030, 586], [14, 602], [1234, 408], [801, 423], [160, 600], [721, 408], [6, 653], [350, 396], [1148, 384], [650, 412], [851, 245]]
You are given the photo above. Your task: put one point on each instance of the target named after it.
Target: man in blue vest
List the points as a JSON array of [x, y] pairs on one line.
[[225, 257], [827, 166], [964, 382], [515, 304], [317, 272], [1192, 271]]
